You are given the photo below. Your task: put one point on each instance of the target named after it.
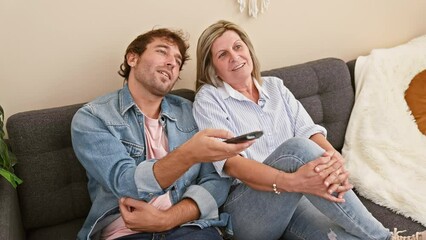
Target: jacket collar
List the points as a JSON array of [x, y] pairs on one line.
[[126, 102]]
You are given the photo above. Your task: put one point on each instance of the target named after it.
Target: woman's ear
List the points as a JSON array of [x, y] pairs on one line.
[[132, 59]]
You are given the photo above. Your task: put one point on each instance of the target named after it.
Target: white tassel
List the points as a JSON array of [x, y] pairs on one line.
[[253, 10], [242, 4], [265, 5]]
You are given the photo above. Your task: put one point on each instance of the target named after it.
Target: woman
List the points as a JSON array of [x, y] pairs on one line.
[[291, 182]]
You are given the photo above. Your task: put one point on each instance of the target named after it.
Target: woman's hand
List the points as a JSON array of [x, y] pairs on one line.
[[338, 180], [317, 176]]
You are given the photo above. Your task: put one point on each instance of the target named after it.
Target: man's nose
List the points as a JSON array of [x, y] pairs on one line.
[[170, 65], [170, 61]]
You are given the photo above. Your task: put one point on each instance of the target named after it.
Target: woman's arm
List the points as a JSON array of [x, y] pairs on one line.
[[262, 177]]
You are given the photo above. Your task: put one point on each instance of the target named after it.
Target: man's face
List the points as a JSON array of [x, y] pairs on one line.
[[157, 68]]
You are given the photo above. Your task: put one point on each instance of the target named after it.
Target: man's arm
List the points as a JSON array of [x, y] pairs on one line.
[[210, 190], [202, 199], [139, 215], [103, 155], [202, 147]]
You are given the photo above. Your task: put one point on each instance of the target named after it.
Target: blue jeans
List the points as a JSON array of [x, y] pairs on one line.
[[180, 233], [266, 215]]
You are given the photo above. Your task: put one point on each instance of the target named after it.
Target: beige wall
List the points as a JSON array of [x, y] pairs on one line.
[[55, 53]]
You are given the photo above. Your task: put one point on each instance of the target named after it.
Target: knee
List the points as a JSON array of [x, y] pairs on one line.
[[301, 146], [295, 152]]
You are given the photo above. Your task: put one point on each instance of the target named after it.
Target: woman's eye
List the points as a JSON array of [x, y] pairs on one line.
[[222, 54]]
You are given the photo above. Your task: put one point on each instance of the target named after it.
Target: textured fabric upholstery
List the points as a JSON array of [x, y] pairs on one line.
[[53, 201], [53, 198], [324, 89]]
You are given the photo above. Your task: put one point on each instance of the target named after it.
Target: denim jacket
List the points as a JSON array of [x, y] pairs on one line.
[[109, 140]]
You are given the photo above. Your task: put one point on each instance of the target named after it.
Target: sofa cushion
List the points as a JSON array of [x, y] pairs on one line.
[[324, 89], [54, 190], [64, 231]]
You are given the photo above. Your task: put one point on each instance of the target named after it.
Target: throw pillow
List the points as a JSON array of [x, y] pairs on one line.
[[415, 96]]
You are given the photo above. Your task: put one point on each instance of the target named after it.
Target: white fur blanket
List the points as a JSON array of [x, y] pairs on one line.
[[384, 149]]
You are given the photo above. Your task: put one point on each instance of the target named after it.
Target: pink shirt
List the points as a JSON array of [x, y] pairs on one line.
[[157, 145]]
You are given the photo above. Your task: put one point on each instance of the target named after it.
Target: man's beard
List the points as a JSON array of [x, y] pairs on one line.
[[160, 89]]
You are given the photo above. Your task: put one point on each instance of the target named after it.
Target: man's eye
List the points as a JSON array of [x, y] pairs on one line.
[[179, 63], [161, 51]]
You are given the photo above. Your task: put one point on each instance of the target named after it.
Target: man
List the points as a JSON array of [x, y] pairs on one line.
[[141, 143]]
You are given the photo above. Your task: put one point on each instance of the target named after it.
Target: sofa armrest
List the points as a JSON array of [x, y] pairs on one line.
[[10, 216], [351, 67]]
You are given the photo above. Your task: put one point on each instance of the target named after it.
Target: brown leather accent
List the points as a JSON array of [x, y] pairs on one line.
[[415, 96]]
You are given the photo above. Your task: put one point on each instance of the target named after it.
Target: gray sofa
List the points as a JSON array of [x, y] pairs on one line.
[[53, 201]]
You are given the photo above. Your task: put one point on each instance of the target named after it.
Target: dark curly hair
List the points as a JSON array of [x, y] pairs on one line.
[[138, 46]]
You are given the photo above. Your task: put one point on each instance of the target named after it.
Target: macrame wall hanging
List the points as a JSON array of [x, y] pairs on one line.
[[253, 8]]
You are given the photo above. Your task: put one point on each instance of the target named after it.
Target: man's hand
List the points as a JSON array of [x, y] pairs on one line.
[[206, 146], [143, 217]]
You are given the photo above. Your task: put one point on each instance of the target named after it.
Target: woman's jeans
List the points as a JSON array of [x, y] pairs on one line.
[[266, 215]]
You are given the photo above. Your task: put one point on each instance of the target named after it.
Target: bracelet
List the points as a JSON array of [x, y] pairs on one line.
[[274, 185]]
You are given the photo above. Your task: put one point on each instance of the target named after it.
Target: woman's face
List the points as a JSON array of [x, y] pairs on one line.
[[231, 58]]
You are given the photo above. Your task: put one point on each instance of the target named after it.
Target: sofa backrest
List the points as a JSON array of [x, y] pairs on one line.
[[324, 88], [54, 190]]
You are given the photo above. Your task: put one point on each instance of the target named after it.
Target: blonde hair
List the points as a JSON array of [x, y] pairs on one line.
[[205, 70]]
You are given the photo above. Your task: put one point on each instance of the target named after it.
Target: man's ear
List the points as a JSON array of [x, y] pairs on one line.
[[132, 59]]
